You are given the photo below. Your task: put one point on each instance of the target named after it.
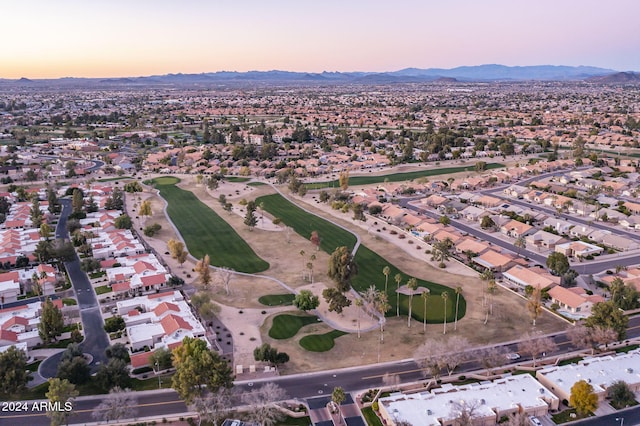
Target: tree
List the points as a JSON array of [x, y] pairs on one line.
[[224, 277], [315, 239], [51, 322], [425, 298], [520, 244], [534, 305], [115, 373], [262, 403], [536, 346], [61, 393], [557, 263], [445, 297], [77, 201], [113, 324], [44, 251], [491, 357], [145, 209], [250, 217], [621, 395], [412, 285], [306, 300], [398, 279], [119, 404], [458, 291], [195, 366], [440, 251], [160, 359], [624, 296], [45, 231], [465, 411], [123, 222], [35, 213], [73, 366], [117, 351], [583, 398], [607, 315], [444, 220], [115, 201], [182, 257], [336, 300], [215, 407], [175, 247], [13, 371], [151, 230], [338, 396], [386, 271], [342, 268], [267, 353], [202, 268], [343, 179]]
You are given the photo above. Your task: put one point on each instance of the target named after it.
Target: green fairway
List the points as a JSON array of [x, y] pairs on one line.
[[277, 299], [331, 236], [236, 179], [370, 264], [204, 232], [398, 177], [321, 342], [286, 326]]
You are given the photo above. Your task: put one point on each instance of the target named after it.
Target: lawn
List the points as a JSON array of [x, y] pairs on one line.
[[398, 177], [286, 326], [204, 232], [371, 417], [320, 342], [292, 421], [331, 236], [103, 289], [277, 299], [370, 264], [236, 179]]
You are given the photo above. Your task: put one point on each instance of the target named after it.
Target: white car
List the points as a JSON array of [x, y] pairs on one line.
[[513, 356], [534, 421]]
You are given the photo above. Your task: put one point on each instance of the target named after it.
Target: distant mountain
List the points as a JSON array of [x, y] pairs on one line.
[[503, 73], [617, 78], [408, 75]]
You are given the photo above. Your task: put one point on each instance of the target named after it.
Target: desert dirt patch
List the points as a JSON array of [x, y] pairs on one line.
[[509, 320]]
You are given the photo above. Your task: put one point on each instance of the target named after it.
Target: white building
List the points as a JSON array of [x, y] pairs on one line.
[[490, 401], [600, 372]]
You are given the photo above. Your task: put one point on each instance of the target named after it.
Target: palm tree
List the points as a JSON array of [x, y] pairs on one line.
[[520, 243], [302, 254], [359, 304], [425, 297], [370, 296], [445, 297], [398, 278], [382, 306], [386, 271], [412, 285], [458, 291]]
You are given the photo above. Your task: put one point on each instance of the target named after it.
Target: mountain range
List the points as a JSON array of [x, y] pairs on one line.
[[479, 73]]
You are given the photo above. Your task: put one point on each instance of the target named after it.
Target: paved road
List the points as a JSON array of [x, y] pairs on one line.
[[96, 339], [629, 417]]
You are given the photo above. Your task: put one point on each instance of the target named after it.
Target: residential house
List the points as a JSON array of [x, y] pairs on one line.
[[574, 300], [494, 261], [516, 229], [535, 277], [578, 249], [543, 239]]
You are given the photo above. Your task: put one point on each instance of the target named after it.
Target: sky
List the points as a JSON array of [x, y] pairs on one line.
[[127, 38]]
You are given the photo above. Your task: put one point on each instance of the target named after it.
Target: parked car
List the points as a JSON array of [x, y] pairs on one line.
[[513, 356]]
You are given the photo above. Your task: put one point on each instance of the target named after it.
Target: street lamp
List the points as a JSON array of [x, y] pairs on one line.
[[158, 373], [621, 420]]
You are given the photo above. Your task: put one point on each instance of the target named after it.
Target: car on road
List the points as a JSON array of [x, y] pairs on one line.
[[534, 421], [513, 356]]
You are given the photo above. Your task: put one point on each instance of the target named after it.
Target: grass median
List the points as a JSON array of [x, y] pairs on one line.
[[204, 232]]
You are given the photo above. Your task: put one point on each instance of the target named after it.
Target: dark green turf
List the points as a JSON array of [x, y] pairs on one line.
[[204, 232], [286, 326], [398, 177], [321, 342], [277, 299], [370, 264]]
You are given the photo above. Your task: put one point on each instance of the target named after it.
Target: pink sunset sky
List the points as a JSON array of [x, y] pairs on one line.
[[118, 38]]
